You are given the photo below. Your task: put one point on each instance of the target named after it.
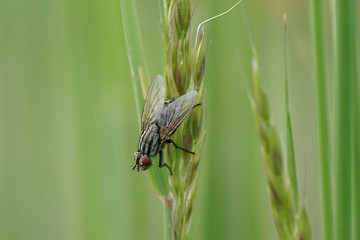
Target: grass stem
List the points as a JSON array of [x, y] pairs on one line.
[[290, 141], [322, 118], [345, 48], [168, 228], [356, 161], [355, 125]]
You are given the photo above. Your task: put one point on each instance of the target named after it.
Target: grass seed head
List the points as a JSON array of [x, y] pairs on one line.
[[183, 70], [290, 224], [199, 59]]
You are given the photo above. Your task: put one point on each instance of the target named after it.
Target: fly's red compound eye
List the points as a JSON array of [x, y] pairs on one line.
[[146, 161]]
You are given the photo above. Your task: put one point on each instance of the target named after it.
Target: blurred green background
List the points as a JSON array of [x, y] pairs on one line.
[[69, 128]]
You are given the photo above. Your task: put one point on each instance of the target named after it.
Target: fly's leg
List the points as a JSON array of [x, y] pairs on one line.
[[171, 141], [136, 165], [161, 164], [196, 105]]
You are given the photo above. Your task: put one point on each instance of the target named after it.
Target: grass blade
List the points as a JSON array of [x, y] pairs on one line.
[[355, 132], [356, 160], [140, 81], [345, 19], [290, 141], [322, 118], [139, 74]]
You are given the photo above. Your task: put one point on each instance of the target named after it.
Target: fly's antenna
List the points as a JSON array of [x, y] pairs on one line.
[[212, 18]]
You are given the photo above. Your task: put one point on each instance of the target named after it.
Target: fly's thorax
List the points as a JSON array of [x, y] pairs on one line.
[[149, 141], [142, 160]]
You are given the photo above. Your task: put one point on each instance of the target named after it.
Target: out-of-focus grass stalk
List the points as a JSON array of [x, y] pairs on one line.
[[318, 28], [139, 74], [140, 80], [302, 228], [291, 221], [168, 227], [345, 19], [355, 125], [356, 159], [290, 141], [184, 71]]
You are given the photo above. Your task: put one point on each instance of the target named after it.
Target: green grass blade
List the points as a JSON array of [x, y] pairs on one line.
[[290, 140], [140, 79], [355, 135], [356, 160], [322, 118], [345, 48], [139, 74]]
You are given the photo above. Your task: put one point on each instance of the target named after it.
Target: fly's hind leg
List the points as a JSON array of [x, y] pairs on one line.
[[171, 141], [161, 164]]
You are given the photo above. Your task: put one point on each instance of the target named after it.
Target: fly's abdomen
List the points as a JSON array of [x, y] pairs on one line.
[[149, 141]]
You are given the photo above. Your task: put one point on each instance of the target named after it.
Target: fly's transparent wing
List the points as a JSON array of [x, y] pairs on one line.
[[154, 98], [174, 112]]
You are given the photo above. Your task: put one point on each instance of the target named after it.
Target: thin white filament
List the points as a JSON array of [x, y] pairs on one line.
[[219, 15]]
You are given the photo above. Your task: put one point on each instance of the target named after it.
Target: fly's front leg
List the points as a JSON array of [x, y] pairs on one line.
[[136, 165], [171, 141], [161, 164]]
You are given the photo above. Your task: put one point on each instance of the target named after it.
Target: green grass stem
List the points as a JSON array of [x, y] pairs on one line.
[[345, 17], [355, 131], [322, 117], [356, 160], [168, 227]]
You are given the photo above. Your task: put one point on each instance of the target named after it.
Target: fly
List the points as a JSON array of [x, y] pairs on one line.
[[160, 119]]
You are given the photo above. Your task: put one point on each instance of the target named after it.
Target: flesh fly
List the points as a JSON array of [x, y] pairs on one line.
[[160, 119]]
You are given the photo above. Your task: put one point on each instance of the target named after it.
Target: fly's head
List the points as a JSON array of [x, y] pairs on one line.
[[142, 161]]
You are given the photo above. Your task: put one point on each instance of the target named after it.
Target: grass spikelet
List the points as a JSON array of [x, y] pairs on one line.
[[290, 223], [176, 39], [184, 71], [291, 220]]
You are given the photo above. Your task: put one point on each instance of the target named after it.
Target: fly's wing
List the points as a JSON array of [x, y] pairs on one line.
[[154, 98], [174, 112]]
